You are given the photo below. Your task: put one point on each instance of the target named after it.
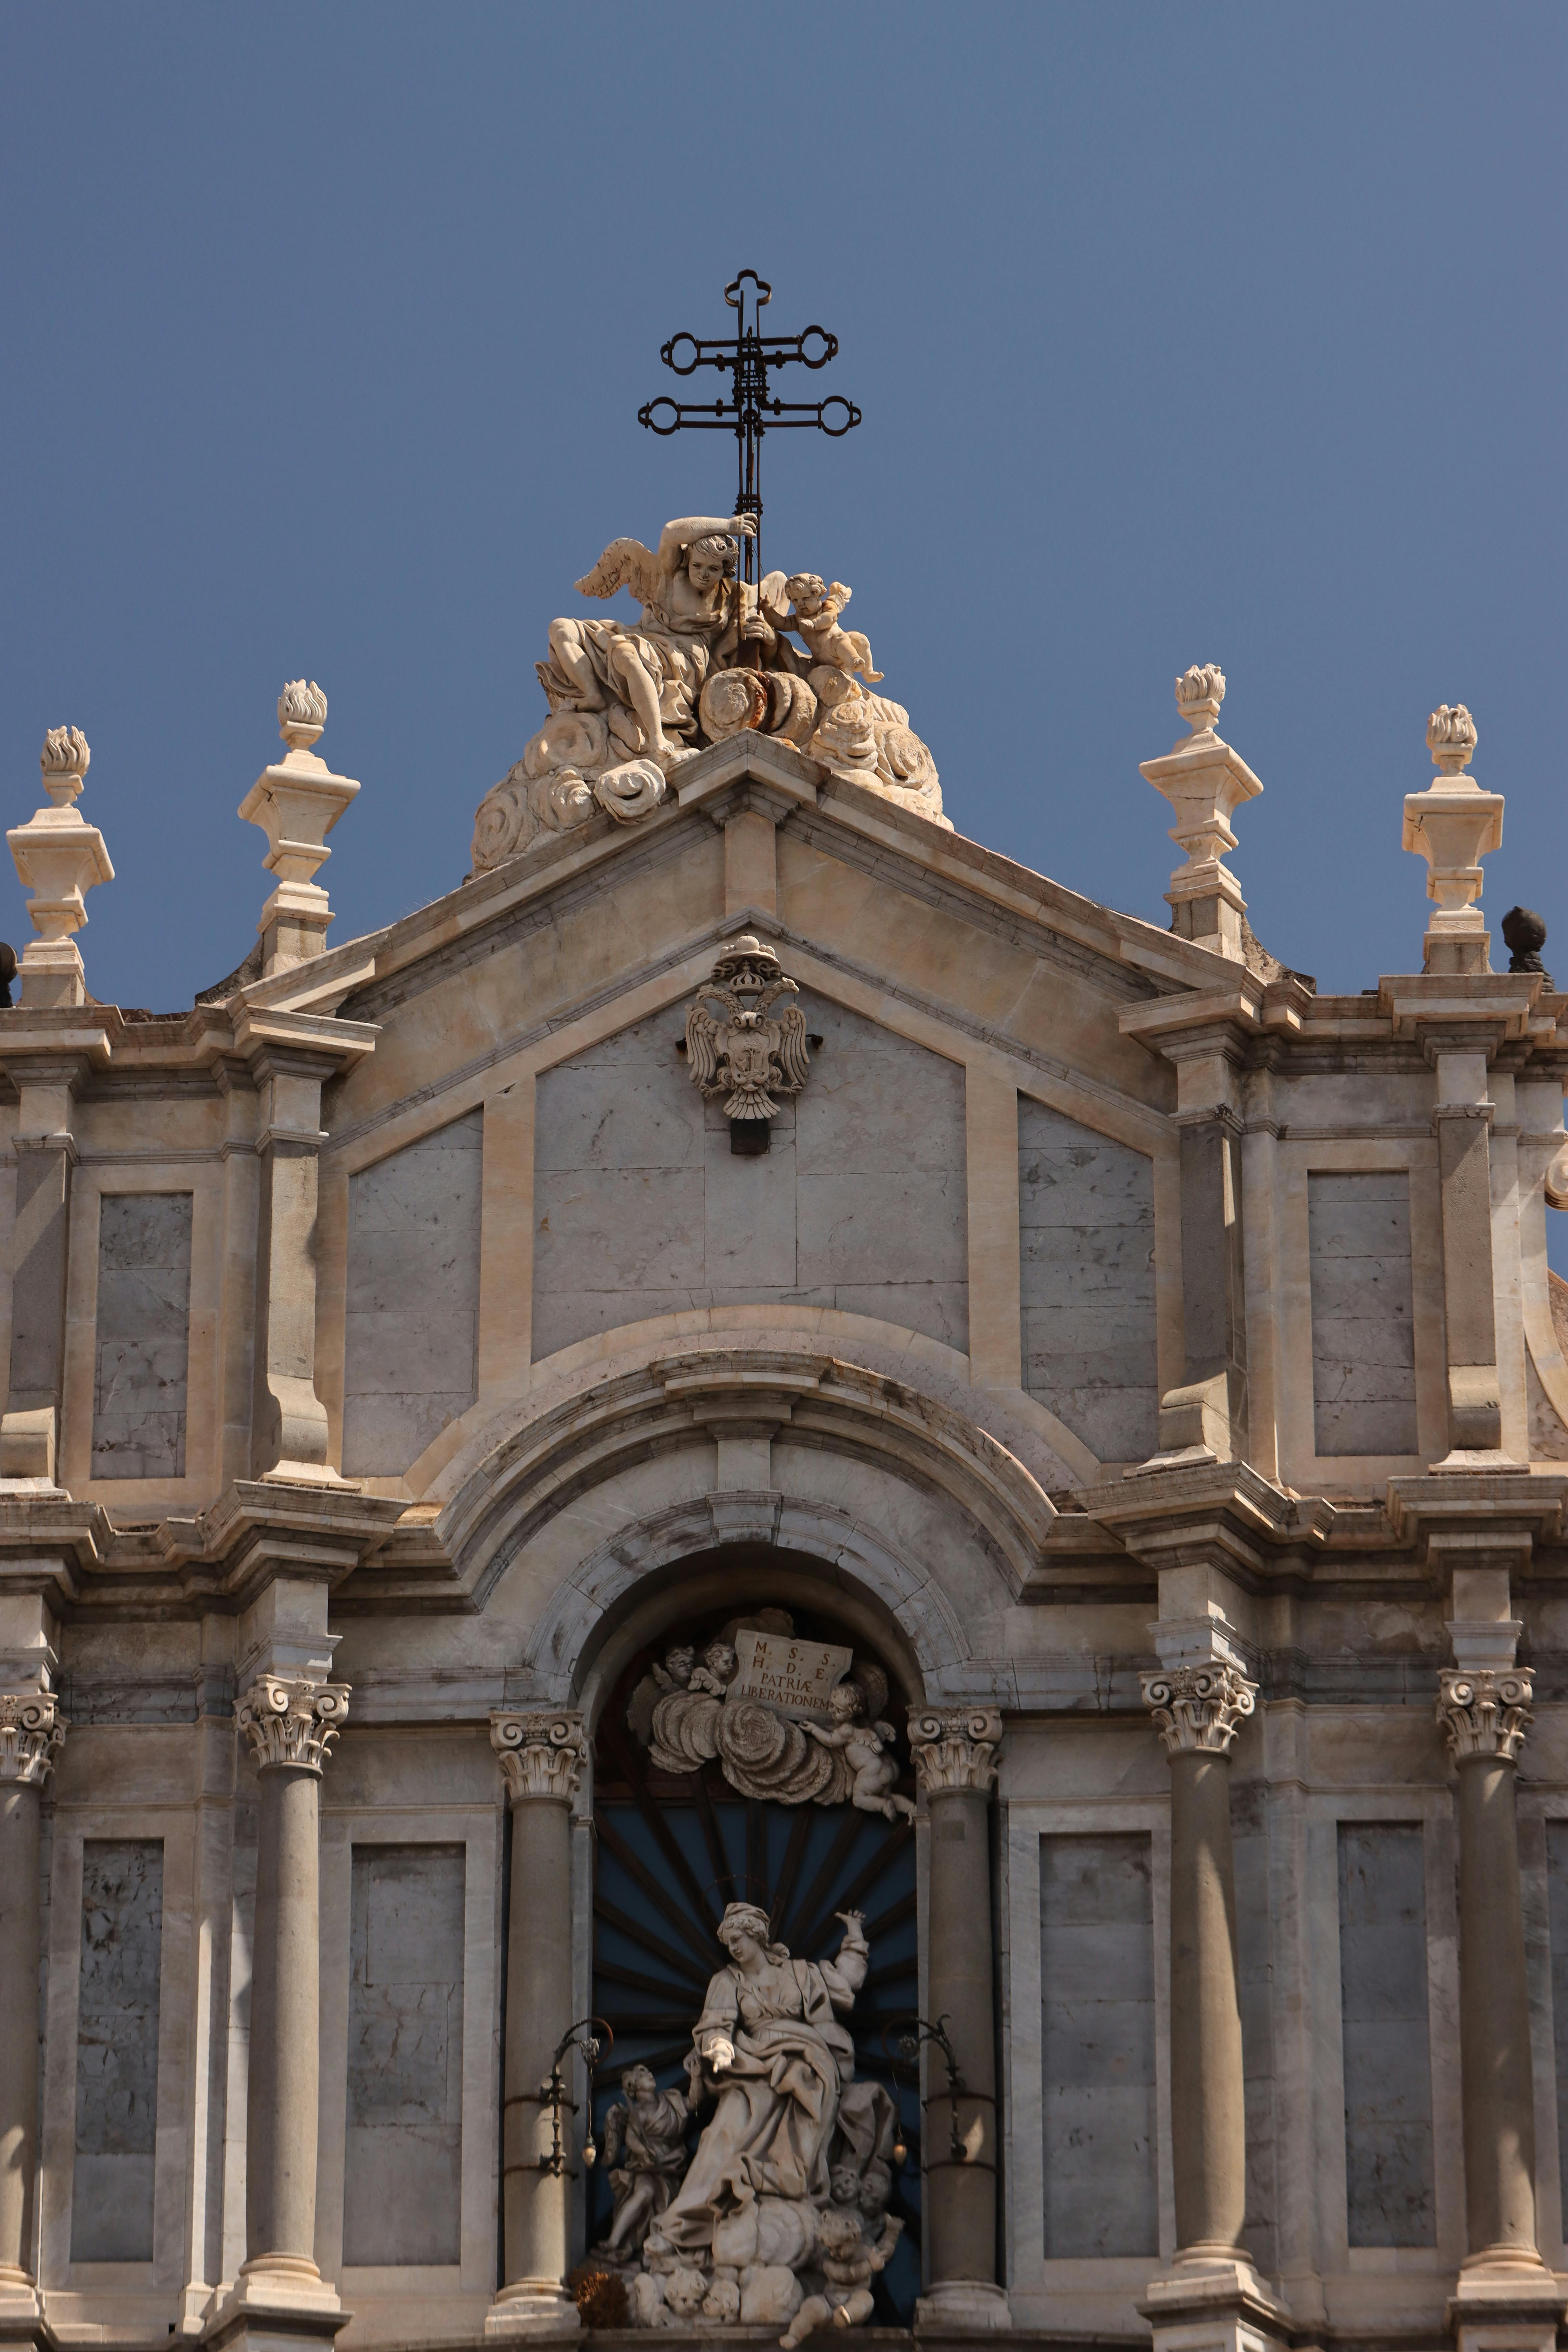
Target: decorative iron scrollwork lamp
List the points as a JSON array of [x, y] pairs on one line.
[[588, 2036], [909, 2033]]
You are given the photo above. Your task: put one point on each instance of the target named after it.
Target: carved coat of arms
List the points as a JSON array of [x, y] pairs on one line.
[[742, 1048]]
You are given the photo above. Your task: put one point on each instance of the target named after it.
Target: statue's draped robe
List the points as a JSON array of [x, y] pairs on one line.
[[778, 2102]]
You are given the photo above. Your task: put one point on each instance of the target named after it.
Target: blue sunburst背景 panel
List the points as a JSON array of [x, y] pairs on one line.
[[659, 1896]]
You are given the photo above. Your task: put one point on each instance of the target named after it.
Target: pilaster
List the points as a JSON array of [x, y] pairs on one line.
[[46, 1155], [31, 1732]]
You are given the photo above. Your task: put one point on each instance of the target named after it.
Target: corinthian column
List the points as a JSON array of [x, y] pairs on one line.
[[291, 1722], [1198, 1710], [541, 1758], [1485, 1713], [954, 1750], [30, 1733]]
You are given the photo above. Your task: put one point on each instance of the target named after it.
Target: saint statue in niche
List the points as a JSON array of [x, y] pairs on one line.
[[795, 2151]]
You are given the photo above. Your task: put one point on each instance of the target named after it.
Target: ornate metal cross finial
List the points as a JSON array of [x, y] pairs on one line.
[[749, 411]]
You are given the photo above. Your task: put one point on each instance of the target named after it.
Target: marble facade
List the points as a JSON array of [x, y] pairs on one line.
[[1149, 1363]]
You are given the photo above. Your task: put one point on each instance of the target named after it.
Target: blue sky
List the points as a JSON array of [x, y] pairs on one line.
[[1182, 332]]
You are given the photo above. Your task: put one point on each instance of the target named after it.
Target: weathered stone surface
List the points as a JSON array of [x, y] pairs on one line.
[[1363, 1345], [117, 2050], [143, 1335], [641, 1208], [411, 1314], [1086, 1219], [403, 2156], [1097, 2046], [1389, 2169]]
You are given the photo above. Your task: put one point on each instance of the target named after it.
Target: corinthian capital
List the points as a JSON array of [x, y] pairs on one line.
[[1485, 1713], [288, 1719], [31, 1730], [1199, 1708], [541, 1755], [955, 1747]]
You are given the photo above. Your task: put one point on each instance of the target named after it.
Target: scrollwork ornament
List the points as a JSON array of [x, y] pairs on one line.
[[1199, 1710], [32, 1732], [541, 1755], [955, 1747], [290, 1720], [1485, 1713]]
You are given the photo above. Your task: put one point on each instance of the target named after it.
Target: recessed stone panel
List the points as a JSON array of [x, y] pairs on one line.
[[1086, 1218], [143, 1336], [117, 2050], [403, 2152], [1097, 2046], [1364, 1328], [1390, 2191], [411, 1320], [642, 1209]]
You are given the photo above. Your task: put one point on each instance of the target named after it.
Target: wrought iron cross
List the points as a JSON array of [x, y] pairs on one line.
[[749, 411]]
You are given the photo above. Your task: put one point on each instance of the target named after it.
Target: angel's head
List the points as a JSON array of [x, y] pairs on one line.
[[708, 561], [720, 1660], [678, 1662], [844, 1701], [806, 593], [638, 2084]]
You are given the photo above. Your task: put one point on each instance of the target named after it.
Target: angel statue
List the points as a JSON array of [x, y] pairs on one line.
[[746, 1057], [648, 678]]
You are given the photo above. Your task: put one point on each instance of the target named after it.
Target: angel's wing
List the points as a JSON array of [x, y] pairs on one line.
[[703, 1046], [614, 2134], [793, 1059], [624, 562]]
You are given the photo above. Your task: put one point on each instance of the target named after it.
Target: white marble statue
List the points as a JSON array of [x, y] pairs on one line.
[[790, 2132], [707, 658], [644, 2153], [874, 1773]]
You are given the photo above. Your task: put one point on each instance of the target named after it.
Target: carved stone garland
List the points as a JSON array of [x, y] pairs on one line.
[[1485, 1713], [31, 1734], [291, 1720], [1199, 1708], [539, 1754]]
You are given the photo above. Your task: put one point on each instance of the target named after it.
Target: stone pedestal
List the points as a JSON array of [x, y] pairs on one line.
[[1211, 2296], [954, 1751], [30, 1733], [281, 2298], [541, 1759], [1506, 2300]]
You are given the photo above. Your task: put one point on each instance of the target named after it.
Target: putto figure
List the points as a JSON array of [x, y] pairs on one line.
[[864, 1745]]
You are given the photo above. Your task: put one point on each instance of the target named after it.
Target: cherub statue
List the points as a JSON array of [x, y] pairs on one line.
[[652, 675], [817, 611], [645, 2150], [848, 2266], [717, 1671], [873, 1773], [676, 1672]]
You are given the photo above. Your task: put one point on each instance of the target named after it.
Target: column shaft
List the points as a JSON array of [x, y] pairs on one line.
[[961, 2223], [1494, 2017], [281, 2150], [1207, 2106], [538, 2012], [20, 1928]]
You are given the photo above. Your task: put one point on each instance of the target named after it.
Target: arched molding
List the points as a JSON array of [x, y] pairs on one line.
[[626, 1587], [1048, 1449], [568, 1439]]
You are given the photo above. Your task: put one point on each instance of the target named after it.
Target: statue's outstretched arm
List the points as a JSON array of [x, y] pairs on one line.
[[687, 528]]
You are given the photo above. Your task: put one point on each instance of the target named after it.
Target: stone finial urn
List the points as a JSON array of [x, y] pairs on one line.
[[58, 857], [1453, 825]]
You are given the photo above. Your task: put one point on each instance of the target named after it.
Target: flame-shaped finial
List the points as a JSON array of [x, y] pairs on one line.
[[1451, 738], [1200, 690], [301, 713], [64, 760]]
